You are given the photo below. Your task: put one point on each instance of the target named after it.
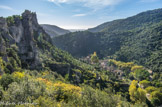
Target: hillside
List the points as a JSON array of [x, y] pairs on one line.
[[137, 21], [34, 72], [137, 38], [25, 45], [53, 30]]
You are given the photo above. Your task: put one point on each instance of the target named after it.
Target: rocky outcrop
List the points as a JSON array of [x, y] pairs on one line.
[[4, 32], [22, 31], [27, 45]]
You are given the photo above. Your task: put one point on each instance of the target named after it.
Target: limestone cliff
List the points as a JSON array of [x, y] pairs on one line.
[[22, 31]]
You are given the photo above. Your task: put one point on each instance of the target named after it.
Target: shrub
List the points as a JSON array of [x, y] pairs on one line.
[[18, 76], [10, 20], [26, 91], [2, 64], [150, 89], [97, 98], [141, 74], [156, 94], [135, 67], [94, 58], [145, 83], [6, 80], [65, 92], [137, 94], [155, 102]]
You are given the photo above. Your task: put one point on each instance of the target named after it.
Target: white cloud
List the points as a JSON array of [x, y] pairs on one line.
[[6, 7], [79, 15], [89, 3]]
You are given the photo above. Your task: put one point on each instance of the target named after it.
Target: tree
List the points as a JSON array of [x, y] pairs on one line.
[[141, 74], [137, 94], [97, 98], [6, 80], [65, 92], [155, 101], [145, 83], [2, 65], [156, 94], [150, 89], [94, 58], [141, 94], [135, 67], [133, 90], [156, 76], [17, 76]]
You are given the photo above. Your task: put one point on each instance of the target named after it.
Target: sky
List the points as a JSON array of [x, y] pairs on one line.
[[78, 14]]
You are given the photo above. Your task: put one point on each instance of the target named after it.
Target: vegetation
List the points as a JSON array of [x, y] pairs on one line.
[[94, 58], [11, 19], [43, 75], [113, 40]]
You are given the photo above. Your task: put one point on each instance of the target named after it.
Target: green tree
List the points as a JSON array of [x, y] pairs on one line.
[[2, 64], [144, 83], [141, 74], [137, 94], [94, 58], [155, 102], [141, 94], [156, 94], [133, 90], [6, 80], [150, 89], [10, 20]]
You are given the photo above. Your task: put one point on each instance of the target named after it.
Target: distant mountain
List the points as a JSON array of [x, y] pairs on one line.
[[137, 38], [148, 17], [53, 30], [75, 30]]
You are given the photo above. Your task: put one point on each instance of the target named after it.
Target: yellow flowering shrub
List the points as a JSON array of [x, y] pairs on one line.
[[133, 90], [66, 91], [137, 94], [135, 67], [18, 75], [121, 64], [91, 74], [94, 58], [1, 64], [45, 73], [47, 82]]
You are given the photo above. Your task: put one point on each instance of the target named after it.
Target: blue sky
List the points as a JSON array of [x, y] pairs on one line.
[[78, 14]]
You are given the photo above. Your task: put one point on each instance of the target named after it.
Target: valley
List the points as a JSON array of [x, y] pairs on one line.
[[116, 64]]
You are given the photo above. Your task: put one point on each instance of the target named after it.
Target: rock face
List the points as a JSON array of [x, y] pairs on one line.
[[22, 31], [4, 32]]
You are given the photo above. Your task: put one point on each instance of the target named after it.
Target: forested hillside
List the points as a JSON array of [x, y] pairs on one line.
[[34, 72], [139, 20], [53, 30], [137, 38]]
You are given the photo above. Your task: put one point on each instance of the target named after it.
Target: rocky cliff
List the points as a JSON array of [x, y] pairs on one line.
[[23, 32]]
